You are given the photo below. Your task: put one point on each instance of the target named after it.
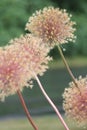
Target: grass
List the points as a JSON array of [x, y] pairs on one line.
[[43, 123]]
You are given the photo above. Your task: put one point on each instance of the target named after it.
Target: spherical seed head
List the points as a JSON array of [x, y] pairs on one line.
[[52, 25], [14, 71], [35, 53], [75, 101]]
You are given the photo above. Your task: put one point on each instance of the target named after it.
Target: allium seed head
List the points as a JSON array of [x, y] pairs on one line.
[[52, 25], [18, 63], [35, 53], [75, 101], [14, 71]]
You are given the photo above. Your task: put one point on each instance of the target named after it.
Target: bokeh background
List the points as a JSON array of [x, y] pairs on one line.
[[13, 16]]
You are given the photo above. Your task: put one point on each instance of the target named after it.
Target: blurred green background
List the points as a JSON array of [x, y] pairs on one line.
[[13, 16], [15, 13]]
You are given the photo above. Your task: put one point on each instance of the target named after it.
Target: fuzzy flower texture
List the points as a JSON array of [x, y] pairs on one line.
[[75, 102], [52, 25], [35, 53], [12, 71], [18, 61]]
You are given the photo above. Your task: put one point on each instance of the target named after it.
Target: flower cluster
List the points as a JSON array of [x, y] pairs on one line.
[[35, 53], [12, 70], [52, 25], [19, 60], [75, 101]]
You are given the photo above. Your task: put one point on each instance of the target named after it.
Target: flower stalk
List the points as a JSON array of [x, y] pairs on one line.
[[26, 110], [51, 103], [66, 65]]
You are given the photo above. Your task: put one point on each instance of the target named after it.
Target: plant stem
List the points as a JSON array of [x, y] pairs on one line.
[[67, 66], [51, 103], [26, 110]]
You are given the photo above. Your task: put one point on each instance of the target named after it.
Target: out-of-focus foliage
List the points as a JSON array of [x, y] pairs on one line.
[[72, 5], [79, 11], [15, 13]]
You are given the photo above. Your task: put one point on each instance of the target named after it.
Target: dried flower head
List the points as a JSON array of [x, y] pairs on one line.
[[75, 101], [52, 25], [14, 71], [35, 53]]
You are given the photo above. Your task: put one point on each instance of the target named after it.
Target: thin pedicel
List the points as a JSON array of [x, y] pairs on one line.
[[50, 102], [26, 110], [67, 67]]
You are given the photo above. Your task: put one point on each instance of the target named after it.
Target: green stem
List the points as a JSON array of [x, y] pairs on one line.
[[67, 66], [26, 110]]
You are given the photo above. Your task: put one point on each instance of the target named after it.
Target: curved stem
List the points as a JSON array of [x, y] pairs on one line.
[[51, 103], [67, 66], [26, 110]]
